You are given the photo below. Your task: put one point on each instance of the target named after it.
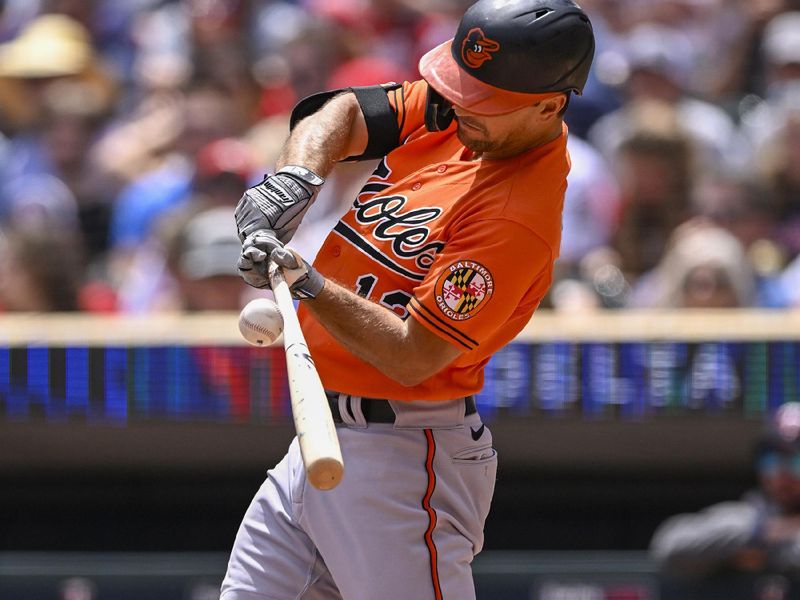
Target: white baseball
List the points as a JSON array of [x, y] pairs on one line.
[[261, 322]]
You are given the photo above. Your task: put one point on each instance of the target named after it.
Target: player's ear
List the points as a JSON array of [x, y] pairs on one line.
[[552, 107]]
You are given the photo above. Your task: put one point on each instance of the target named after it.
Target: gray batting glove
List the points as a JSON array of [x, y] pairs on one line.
[[278, 203], [304, 280], [252, 263]]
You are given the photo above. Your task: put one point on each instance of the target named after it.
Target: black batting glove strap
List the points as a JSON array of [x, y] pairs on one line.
[[308, 283], [277, 203]]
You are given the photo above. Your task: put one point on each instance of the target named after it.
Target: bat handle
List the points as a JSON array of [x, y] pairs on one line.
[[283, 298]]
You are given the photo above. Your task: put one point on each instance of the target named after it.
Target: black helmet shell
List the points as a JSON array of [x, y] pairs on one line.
[[527, 46]]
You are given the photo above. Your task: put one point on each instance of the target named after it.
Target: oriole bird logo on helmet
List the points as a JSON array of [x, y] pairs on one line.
[[476, 48]]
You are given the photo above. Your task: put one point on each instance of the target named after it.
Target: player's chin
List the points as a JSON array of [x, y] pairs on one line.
[[476, 143]]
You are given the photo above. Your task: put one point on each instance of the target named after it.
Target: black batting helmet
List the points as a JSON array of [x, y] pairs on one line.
[[506, 52]]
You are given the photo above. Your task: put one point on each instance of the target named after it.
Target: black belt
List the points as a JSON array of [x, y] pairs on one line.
[[378, 410]]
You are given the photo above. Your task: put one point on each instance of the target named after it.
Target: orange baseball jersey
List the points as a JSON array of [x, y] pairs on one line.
[[465, 247]]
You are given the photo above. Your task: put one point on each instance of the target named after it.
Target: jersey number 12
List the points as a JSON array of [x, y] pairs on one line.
[[395, 301]]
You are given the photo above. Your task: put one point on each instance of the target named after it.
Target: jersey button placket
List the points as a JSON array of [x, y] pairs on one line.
[[416, 186], [441, 168]]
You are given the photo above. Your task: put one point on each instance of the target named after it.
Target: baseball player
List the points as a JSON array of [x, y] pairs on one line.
[[440, 261]]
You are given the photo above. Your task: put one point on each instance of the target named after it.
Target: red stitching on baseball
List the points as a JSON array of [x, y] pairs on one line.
[[259, 328]]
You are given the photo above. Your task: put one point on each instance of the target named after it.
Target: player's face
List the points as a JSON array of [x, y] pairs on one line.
[[503, 136]]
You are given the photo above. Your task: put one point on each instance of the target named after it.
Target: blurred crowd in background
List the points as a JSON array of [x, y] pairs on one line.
[[128, 131]]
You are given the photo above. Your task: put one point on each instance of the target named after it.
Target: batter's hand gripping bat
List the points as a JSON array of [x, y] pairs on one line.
[[313, 423]]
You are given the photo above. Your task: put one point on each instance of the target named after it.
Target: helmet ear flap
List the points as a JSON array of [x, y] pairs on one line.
[[438, 111]]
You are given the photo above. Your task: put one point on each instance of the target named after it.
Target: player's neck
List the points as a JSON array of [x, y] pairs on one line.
[[541, 137], [538, 138]]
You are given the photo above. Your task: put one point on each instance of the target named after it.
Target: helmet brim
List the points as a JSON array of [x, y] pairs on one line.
[[443, 74]]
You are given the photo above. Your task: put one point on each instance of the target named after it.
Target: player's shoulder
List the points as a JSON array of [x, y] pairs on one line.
[[408, 100], [544, 168], [530, 191]]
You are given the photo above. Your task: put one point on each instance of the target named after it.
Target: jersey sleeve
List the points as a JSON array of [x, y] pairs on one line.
[[491, 273], [391, 111], [408, 102]]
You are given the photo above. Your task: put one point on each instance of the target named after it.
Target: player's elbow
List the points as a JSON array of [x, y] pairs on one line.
[[410, 373], [415, 355], [409, 379], [419, 356]]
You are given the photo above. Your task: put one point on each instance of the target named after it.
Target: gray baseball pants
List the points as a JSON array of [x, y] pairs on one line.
[[405, 521]]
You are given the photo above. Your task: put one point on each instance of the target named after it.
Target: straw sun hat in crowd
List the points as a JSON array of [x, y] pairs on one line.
[[50, 46]]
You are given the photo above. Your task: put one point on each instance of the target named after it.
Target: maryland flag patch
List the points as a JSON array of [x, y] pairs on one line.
[[463, 289]]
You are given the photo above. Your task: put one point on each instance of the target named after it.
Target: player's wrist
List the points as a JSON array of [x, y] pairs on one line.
[[304, 175], [318, 284], [310, 286]]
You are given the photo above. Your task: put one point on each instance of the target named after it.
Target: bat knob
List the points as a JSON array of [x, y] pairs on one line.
[[325, 473]]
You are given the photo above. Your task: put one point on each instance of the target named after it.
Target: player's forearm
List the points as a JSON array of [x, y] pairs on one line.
[[322, 139], [371, 332]]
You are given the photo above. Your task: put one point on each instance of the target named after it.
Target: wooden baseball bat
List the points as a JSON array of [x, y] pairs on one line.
[[313, 423]]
